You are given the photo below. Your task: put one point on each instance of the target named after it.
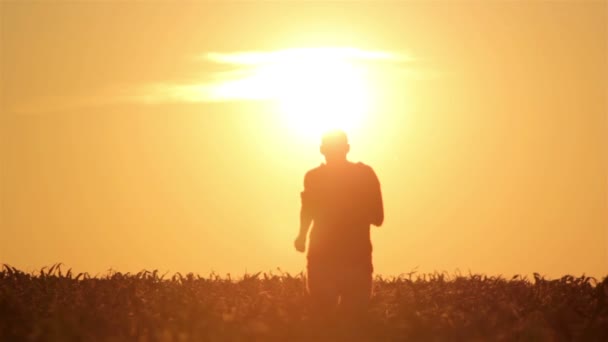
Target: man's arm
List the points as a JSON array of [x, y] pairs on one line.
[[377, 206], [305, 217], [305, 221]]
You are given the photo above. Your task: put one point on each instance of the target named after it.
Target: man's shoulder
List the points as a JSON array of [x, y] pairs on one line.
[[316, 170], [321, 168], [365, 173], [314, 173], [363, 167]]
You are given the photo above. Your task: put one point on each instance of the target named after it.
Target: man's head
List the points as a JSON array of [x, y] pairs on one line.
[[334, 146]]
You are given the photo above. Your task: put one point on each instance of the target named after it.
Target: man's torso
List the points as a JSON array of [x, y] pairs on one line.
[[339, 197]]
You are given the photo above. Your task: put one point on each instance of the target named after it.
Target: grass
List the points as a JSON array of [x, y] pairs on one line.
[[53, 305]]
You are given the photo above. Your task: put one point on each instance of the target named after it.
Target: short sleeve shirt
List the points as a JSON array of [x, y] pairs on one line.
[[341, 199]]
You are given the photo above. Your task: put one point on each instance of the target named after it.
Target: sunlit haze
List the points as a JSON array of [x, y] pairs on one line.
[[176, 136], [313, 89]]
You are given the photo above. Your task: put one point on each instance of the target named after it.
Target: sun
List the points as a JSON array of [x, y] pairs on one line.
[[320, 92], [312, 89]]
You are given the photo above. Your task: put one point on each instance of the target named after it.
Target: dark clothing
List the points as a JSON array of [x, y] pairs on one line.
[[343, 201], [351, 284]]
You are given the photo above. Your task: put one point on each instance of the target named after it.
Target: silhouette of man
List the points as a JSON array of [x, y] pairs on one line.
[[341, 199]]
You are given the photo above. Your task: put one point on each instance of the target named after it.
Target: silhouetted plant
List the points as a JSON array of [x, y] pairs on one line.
[[53, 305]]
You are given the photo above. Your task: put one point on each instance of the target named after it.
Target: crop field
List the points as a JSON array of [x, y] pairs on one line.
[[56, 305]]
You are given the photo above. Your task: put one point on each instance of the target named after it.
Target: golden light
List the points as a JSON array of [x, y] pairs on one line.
[[314, 89], [319, 93]]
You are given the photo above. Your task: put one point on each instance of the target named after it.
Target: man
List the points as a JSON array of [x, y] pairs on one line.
[[341, 199]]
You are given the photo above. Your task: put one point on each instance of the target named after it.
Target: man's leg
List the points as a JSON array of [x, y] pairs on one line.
[[355, 290], [323, 292]]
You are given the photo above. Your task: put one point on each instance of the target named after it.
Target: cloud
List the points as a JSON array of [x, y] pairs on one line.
[[62, 103], [263, 57], [243, 76], [260, 75]]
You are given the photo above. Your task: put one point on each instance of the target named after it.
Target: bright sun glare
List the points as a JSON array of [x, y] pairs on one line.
[[317, 93], [314, 89]]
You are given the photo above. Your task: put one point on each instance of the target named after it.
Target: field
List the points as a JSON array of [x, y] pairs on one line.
[[56, 305]]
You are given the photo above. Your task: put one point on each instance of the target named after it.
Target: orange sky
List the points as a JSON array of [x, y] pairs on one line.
[[489, 138]]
